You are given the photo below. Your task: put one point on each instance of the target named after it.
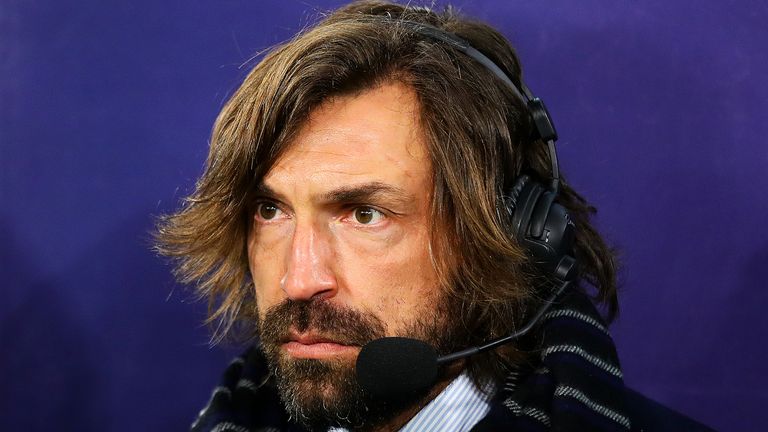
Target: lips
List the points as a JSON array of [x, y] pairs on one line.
[[311, 345], [311, 338]]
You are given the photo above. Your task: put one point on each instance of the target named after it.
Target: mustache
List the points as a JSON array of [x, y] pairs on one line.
[[340, 324]]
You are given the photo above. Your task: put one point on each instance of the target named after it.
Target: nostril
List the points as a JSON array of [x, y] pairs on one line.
[[301, 283], [325, 294]]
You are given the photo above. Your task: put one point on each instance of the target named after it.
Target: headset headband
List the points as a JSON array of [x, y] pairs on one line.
[[542, 121]]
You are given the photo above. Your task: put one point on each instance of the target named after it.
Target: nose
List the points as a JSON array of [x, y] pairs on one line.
[[308, 274]]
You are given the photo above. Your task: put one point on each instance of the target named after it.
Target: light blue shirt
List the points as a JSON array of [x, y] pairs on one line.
[[457, 408]]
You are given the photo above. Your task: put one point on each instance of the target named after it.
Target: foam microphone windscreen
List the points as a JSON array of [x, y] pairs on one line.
[[392, 368]]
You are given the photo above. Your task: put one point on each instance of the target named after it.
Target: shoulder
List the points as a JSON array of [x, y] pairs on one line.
[[649, 415], [245, 399]]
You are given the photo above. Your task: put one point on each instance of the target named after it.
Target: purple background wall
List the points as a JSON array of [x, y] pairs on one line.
[[106, 111]]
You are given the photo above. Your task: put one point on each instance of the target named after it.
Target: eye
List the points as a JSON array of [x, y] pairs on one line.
[[268, 211], [367, 215]]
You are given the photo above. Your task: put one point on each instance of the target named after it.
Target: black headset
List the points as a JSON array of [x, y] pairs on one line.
[[539, 224]]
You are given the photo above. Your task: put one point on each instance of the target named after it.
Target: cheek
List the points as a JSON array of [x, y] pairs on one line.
[[394, 279], [264, 264]]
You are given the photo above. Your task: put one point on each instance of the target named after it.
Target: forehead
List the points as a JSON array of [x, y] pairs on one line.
[[369, 136]]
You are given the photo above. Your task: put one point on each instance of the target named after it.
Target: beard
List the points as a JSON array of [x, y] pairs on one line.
[[319, 394]]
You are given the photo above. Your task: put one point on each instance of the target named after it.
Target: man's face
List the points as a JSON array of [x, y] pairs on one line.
[[339, 248]]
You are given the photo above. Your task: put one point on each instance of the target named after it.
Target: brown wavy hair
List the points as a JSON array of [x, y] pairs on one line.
[[477, 135]]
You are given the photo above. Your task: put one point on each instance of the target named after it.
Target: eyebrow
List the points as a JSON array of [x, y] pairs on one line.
[[364, 193], [351, 194], [262, 190]]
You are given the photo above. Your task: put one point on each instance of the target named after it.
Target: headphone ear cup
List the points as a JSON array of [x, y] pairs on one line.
[[513, 196], [540, 214], [541, 226], [522, 200]]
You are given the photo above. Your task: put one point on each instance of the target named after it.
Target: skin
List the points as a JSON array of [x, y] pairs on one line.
[[343, 217]]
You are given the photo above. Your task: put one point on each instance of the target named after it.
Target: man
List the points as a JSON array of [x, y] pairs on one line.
[[366, 181]]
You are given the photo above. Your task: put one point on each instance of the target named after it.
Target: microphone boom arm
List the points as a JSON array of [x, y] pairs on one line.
[[498, 342]]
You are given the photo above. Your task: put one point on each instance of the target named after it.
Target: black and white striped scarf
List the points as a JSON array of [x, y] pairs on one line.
[[577, 385]]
